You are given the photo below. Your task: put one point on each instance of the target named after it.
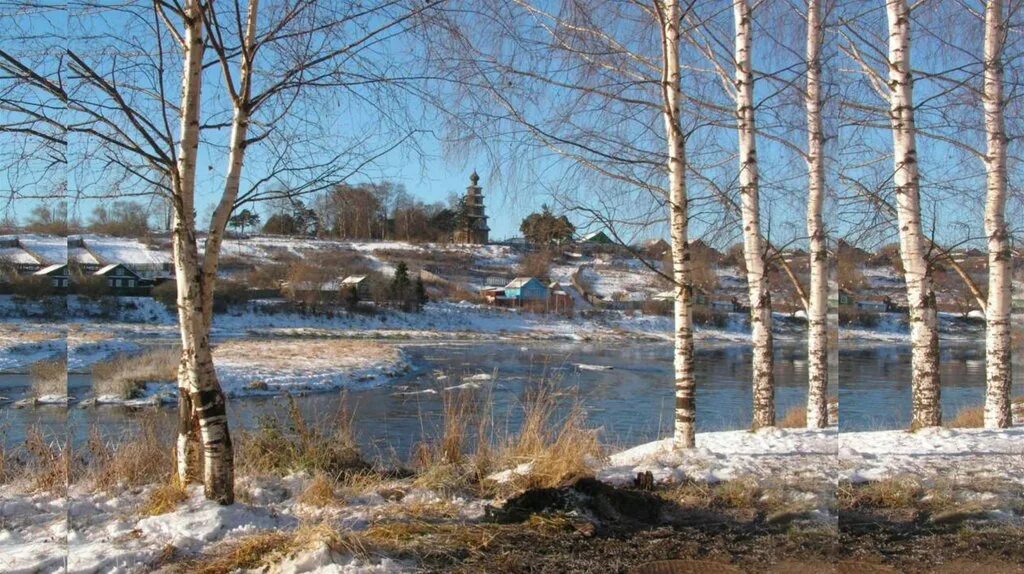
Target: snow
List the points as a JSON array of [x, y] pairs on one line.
[[51, 249], [17, 255], [950, 453], [131, 252], [730, 455]]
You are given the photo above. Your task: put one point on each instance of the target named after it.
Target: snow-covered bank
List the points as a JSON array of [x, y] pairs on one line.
[[950, 454], [779, 454]]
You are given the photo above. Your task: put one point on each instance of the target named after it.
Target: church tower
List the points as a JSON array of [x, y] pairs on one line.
[[474, 229]]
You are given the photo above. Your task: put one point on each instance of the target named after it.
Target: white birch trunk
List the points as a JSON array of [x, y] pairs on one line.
[[685, 384], [753, 247], [998, 366], [201, 399], [924, 337], [817, 308]]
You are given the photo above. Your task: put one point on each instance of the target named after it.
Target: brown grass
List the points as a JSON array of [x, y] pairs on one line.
[[320, 492], [49, 462], [796, 418], [142, 457], [280, 446], [125, 375], [165, 498], [968, 418], [890, 493], [559, 454], [260, 551], [49, 378]]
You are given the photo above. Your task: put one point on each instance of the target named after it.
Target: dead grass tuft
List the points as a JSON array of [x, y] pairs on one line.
[[282, 446], [49, 378], [968, 418], [165, 498], [796, 418], [49, 463], [731, 494], [320, 492], [125, 375], [144, 456], [558, 454]]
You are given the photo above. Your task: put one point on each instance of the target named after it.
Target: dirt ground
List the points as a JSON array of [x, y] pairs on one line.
[[629, 531]]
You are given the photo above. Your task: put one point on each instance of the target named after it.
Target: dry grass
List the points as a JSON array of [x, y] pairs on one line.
[[740, 494], [125, 375], [968, 418], [558, 448], [143, 457], [49, 462], [558, 454], [165, 498], [796, 418], [281, 446], [320, 492], [49, 378], [260, 551], [890, 493]]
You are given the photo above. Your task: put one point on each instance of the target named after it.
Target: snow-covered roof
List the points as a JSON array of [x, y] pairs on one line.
[[518, 282], [108, 268], [594, 235], [81, 256], [353, 280], [17, 256], [51, 269]]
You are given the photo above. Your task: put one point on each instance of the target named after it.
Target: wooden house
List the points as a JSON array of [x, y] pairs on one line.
[[359, 283], [58, 275], [559, 300], [597, 238], [118, 276], [526, 290]]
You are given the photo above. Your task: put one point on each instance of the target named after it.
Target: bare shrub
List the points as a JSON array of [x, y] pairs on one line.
[[536, 264]]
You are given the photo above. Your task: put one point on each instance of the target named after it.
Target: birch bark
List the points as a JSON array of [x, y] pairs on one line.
[[924, 337], [201, 400], [998, 366], [753, 248], [685, 384], [817, 309]]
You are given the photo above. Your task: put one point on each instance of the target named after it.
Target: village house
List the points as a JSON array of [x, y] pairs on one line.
[[597, 238], [58, 275], [119, 277], [560, 301], [526, 290], [359, 283]]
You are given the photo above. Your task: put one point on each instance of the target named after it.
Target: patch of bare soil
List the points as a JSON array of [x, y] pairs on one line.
[[594, 527]]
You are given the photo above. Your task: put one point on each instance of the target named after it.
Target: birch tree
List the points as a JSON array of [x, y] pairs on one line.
[[817, 308], [610, 75], [998, 363], [753, 247], [685, 384], [924, 334]]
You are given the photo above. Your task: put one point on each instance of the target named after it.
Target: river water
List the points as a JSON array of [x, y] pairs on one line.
[[626, 389]]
